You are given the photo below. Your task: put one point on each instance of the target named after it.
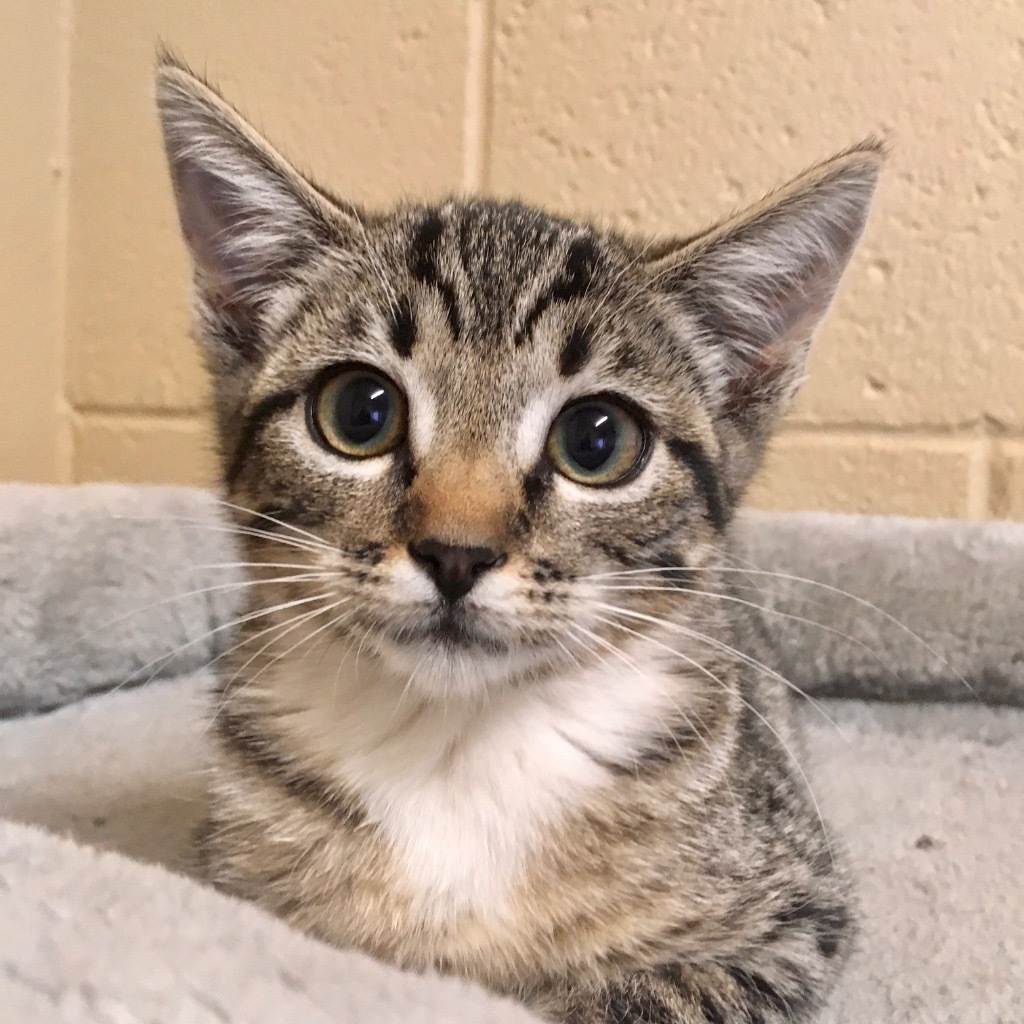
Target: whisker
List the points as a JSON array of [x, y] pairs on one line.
[[611, 648], [228, 625], [248, 617], [190, 522], [856, 641], [253, 565], [678, 707], [771, 728], [727, 649], [289, 625], [246, 683], [573, 660], [128, 616], [296, 622], [828, 587], [273, 519]]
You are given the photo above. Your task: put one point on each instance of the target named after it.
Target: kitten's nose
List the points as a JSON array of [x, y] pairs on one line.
[[454, 569]]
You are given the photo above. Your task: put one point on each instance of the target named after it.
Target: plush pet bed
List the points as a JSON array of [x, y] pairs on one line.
[[915, 753]]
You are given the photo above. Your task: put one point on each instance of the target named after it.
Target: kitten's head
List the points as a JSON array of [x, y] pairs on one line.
[[474, 408]]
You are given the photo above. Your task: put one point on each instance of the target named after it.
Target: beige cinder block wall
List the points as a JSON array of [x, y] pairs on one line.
[[660, 115], [33, 59]]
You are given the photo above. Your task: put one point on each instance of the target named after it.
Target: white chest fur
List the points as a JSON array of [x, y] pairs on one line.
[[463, 791]]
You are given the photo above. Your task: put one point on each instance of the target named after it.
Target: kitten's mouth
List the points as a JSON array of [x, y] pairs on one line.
[[451, 627]]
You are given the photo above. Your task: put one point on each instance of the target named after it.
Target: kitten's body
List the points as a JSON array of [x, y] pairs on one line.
[[559, 781], [528, 840]]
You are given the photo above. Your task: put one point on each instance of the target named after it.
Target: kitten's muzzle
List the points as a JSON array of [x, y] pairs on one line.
[[454, 568]]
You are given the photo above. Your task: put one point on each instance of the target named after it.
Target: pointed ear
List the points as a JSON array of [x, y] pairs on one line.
[[756, 288], [251, 222]]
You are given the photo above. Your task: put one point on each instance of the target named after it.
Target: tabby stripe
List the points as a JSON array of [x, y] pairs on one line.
[[575, 352], [243, 736], [675, 572], [639, 1006], [693, 456], [831, 923], [660, 751], [291, 512], [403, 327], [423, 266], [265, 410], [537, 485], [574, 283]]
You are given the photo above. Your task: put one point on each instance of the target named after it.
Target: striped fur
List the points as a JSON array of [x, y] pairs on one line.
[[573, 794]]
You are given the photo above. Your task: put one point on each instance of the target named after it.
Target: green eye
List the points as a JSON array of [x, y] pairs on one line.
[[358, 413], [596, 442]]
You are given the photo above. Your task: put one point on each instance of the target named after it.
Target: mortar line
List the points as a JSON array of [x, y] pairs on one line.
[[139, 415], [967, 430], [64, 454], [478, 95]]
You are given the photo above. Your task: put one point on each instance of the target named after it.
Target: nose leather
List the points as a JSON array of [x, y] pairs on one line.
[[453, 568]]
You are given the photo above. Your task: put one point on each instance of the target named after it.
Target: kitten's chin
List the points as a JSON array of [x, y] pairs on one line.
[[442, 666]]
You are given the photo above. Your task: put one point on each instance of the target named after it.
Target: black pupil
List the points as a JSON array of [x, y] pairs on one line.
[[589, 436], [362, 410]]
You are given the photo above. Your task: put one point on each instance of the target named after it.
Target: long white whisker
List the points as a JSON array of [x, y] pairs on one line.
[[216, 588], [253, 565], [273, 640], [293, 624], [725, 648], [259, 613], [191, 522], [778, 612], [267, 629], [785, 746], [273, 519], [678, 707], [610, 647], [828, 587]]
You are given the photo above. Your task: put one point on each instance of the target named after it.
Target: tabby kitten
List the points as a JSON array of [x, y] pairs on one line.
[[485, 714]]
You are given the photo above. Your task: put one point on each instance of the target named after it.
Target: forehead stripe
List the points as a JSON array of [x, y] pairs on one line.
[[402, 328], [575, 351], [423, 267], [573, 283]]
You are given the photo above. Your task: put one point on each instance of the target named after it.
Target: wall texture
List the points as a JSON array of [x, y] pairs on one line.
[[659, 115], [33, 39]]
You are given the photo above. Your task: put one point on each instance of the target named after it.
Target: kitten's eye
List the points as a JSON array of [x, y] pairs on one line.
[[358, 413], [596, 442]]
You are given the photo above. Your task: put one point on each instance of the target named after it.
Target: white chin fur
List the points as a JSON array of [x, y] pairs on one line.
[[437, 671], [464, 790]]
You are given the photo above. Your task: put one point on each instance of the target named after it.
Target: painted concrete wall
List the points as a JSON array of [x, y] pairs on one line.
[[33, 192], [658, 115]]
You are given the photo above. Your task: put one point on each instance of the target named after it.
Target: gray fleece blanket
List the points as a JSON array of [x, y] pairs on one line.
[[916, 753]]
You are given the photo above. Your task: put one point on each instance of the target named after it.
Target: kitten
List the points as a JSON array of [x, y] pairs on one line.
[[485, 715]]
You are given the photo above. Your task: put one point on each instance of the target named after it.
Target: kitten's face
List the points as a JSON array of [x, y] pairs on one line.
[[482, 376], [479, 410]]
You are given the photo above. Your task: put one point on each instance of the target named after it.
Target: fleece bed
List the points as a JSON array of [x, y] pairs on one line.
[[915, 752]]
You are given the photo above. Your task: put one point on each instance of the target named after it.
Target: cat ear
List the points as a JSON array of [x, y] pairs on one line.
[[756, 287], [252, 223]]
